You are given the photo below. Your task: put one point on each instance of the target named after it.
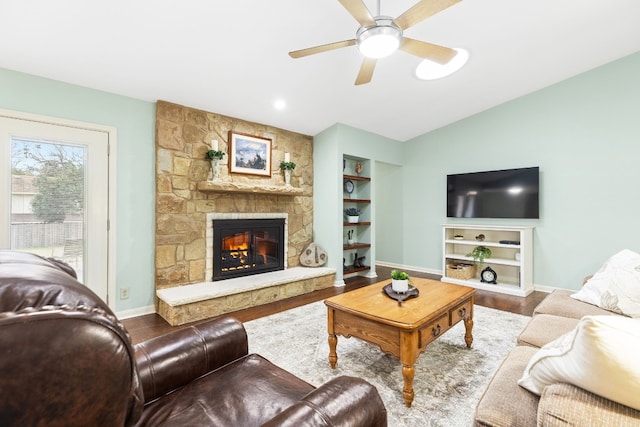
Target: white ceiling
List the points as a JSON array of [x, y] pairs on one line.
[[230, 56]]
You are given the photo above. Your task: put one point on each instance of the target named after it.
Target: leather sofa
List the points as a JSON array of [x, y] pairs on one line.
[[66, 360]]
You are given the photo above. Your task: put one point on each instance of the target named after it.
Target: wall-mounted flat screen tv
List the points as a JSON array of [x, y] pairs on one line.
[[509, 193]]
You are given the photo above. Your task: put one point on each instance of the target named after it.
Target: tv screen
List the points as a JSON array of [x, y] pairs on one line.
[[509, 193]]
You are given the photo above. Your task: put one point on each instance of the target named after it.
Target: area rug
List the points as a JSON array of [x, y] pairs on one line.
[[449, 378]]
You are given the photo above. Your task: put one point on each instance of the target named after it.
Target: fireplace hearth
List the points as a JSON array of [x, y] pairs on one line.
[[242, 247]]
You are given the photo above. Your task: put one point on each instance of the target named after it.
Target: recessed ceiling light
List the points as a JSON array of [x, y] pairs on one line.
[[429, 70], [279, 104]]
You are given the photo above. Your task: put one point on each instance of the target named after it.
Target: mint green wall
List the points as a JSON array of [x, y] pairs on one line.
[[583, 133], [390, 202], [135, 124], [329, 147], [360, 143], [327, 219]]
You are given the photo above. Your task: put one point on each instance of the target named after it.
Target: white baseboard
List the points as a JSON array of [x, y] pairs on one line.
[[541, 288], [409, 267], [135, 312]]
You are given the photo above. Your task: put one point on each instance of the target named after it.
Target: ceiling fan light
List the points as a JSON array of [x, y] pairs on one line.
[[380, 40], [430, 70]]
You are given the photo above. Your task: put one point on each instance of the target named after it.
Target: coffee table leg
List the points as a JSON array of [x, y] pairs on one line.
[[408, 356], [468, 326], [333, 356], [333, 339], [408, 373]]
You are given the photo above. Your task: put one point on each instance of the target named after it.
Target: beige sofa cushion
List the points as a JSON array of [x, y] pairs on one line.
[[544, 328], [560, 303], [564, 404], [504, 403], [600, 355]]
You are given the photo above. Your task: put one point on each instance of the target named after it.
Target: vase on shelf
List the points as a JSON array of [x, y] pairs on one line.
[[287, 177], [215, 169], [352, 219]]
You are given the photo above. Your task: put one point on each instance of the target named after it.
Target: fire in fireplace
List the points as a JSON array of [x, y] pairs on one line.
[[242, 247]]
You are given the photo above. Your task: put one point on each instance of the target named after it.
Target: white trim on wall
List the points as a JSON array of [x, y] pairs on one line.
[[540, 288], [409, 267], [135, 312]]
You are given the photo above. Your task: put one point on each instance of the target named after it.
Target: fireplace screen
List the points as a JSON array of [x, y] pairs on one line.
[[247, 246]]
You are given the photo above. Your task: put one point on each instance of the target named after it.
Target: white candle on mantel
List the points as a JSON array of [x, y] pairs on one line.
[[214, 144], [286, 157]]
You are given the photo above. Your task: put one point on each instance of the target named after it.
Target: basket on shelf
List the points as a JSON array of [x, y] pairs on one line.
[[461, 271]]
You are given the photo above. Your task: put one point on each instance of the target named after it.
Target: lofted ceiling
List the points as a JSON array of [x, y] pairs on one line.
[[230, 56]]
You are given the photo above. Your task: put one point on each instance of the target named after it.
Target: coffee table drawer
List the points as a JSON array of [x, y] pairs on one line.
[[460, 312], [434, 329]]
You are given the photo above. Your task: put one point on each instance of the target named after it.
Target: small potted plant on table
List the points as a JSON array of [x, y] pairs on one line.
[[399, 281]]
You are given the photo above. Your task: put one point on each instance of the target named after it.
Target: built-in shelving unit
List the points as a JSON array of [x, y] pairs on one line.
[[360, 197], [511, 256]]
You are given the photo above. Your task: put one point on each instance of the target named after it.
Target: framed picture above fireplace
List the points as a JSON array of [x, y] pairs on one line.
[[249, 154]]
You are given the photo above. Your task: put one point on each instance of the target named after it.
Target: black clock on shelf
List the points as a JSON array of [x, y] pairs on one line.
[[488, 275]]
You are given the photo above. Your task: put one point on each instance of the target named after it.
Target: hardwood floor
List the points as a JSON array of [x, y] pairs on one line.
[[144, 327]]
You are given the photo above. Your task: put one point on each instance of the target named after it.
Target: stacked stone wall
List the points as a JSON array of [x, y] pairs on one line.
[[183, 136]]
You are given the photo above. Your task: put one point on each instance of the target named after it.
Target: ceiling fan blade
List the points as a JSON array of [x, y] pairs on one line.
[[434, 52], [359, 11], [366, 71], [322, 48], [421, 11]]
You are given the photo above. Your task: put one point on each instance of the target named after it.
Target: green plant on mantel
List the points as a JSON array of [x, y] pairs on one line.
[[287, 165], [479, 254], [214, 154]]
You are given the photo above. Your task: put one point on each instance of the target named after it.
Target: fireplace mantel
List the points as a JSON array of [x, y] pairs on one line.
[[241, 187]]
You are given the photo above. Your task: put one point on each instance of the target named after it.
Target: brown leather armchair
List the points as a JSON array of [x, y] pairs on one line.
[[66, 360]]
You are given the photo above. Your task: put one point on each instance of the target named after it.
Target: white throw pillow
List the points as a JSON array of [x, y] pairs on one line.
[[615, 286], [600, 355]]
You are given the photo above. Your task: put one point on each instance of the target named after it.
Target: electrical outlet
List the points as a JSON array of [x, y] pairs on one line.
[[124, 293]]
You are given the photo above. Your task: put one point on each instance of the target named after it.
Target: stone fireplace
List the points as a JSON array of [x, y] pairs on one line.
[[188, 201]]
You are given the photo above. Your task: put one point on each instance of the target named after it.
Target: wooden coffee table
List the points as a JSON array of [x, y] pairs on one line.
[[403, 330]]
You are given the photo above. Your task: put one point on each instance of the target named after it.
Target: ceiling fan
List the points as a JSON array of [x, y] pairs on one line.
[[380, 36]]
